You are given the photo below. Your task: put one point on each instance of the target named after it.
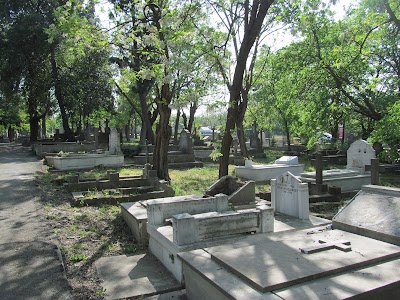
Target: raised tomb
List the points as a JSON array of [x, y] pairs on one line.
[[260, 173]]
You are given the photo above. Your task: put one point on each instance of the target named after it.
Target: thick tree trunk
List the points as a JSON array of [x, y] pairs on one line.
[[160, 155], [69, 135], [34, 128], [11, 134]]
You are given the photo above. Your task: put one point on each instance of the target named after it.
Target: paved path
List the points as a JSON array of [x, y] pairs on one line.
[[29, 264]]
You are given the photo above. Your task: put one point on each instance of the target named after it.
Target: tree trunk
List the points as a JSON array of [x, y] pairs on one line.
[[252, 27], [192, 111], [44, 129], [178, 114], [185, 120], [289, 147], [241, 138], [34, 128], [11, 133], [147, 131], [69, 135], [160, 154], [226, 143]]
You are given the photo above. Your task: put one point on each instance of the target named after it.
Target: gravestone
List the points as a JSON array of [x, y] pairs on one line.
[[185, 142], [289, 196], [114, 145], [359, 155]]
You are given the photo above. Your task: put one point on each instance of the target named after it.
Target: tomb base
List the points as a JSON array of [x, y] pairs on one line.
[[347, 180], [271, 266], [260, 173]]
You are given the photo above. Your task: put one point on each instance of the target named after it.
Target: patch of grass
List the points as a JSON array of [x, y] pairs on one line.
[[75, 253], [389, 179], [130, 249], [73, 227], [195, 181], [130, 171]]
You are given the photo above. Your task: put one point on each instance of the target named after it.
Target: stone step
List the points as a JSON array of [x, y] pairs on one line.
[[137, 190]]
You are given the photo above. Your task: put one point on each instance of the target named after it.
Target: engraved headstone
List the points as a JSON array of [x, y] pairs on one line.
[[114, 145], [290, 196]]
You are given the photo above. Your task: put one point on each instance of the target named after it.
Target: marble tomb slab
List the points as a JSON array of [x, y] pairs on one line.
[[277, 262]]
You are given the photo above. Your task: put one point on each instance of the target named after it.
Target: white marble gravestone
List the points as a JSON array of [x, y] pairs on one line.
[[290, 196], [359, 155], [287, 160], [114, 145]]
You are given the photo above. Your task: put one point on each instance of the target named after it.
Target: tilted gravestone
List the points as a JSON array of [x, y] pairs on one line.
[[289, 196]]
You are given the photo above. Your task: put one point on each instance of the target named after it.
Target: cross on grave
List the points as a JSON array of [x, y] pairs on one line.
[[324, 245]]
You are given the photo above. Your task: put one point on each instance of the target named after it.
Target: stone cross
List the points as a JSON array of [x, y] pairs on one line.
[[324, 245]]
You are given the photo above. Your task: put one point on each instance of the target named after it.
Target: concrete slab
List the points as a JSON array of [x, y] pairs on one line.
[[134, 276], [373, 212], [276, 262], [360, 284], [372, 271]]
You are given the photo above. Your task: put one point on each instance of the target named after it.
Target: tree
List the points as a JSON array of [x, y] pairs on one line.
[[245, 18], [80, 66], [26, 70]]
